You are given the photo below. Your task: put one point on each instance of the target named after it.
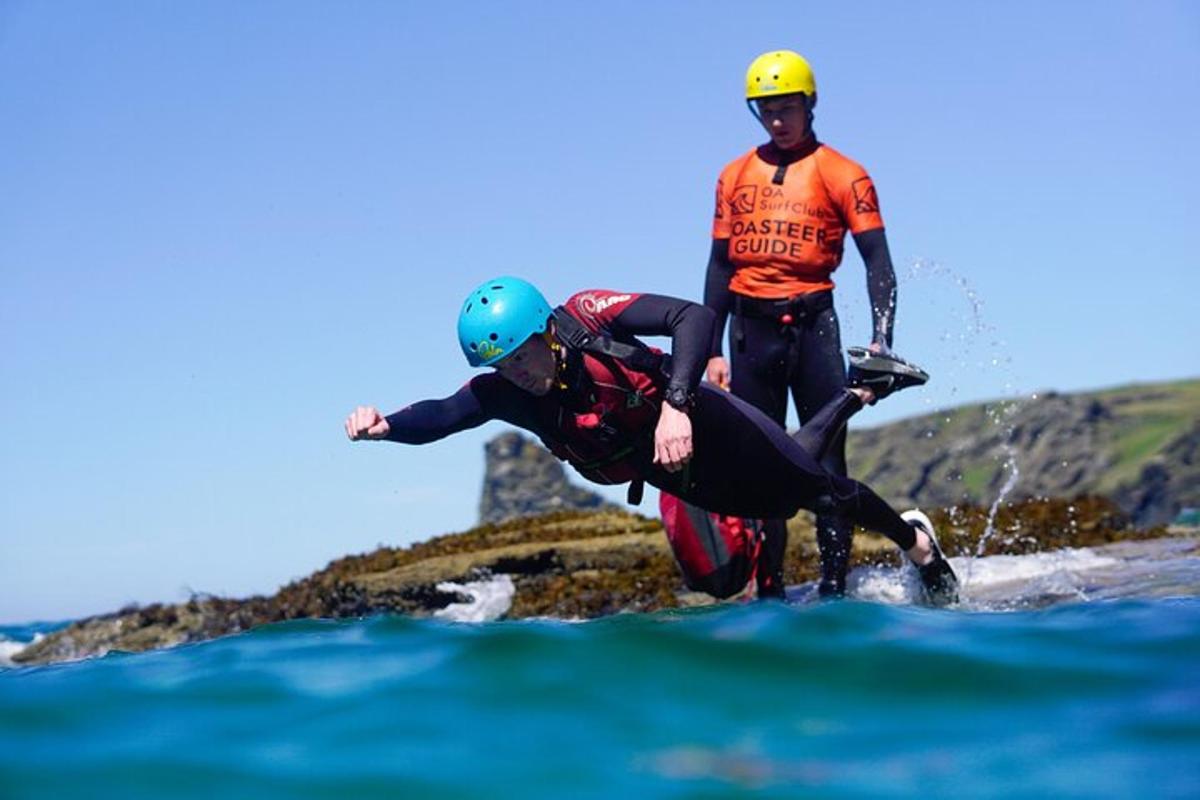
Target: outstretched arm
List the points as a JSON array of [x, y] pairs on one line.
[[881, 283], [423, 422]]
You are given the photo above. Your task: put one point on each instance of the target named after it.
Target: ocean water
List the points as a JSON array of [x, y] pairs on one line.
[[1094, 692]]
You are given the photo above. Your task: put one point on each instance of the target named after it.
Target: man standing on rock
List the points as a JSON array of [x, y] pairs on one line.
[[620, 412], [782, 213]]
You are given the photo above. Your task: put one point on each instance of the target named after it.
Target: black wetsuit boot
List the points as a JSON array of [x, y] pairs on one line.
[[770, 561], [834, 532], [833, 539]]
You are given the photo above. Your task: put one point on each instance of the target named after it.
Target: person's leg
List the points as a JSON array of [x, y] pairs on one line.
[[745, 465], [758, 375], [819, 376], [829, 423], [758, 365]]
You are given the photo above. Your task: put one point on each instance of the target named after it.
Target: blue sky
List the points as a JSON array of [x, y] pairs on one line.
[[223, 225]]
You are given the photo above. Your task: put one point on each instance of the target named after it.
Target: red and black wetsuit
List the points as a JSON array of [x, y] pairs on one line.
[[743, 463]]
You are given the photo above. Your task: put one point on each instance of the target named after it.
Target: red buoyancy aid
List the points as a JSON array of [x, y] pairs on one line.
[[623, 407], [614, 405], [717, 554]]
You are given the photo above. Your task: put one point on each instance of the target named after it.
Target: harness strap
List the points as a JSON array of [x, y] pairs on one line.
[[639, 358], [611, 458], [573, 332]]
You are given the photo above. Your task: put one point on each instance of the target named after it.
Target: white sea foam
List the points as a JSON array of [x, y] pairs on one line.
[[993, 570], [1009, 580], [9, 648], [490, 599]]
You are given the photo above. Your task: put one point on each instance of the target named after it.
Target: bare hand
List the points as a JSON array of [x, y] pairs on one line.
[[366, 423], [672, 439], [718, 372]]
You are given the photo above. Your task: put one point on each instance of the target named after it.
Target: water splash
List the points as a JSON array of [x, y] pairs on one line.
[[989, 528], [967, 329], [491, 598], [923, 268]]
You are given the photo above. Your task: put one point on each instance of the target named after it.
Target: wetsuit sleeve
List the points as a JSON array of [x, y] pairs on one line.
[[688, 324], [430, 420], [717, 295], [881, 282]]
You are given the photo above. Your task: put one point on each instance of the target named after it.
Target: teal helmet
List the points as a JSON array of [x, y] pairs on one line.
[[498, 317]]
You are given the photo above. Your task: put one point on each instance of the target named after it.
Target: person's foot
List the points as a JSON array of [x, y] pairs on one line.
[[882, 373], [938, 578], [771, 590], [864, 395], [829, 589]]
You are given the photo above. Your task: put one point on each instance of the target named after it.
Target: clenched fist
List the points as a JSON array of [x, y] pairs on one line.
[[366, 423]]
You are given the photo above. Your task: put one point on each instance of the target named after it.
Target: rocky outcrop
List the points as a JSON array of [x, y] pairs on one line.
[[568, 564], [521, 479]]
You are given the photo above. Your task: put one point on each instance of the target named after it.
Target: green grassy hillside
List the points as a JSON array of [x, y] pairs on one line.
[[1137, 444]]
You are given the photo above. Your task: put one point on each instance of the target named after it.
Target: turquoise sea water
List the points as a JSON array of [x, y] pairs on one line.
[[851, 699]]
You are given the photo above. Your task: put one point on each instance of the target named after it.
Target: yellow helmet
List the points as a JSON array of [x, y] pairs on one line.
[[779, 72]]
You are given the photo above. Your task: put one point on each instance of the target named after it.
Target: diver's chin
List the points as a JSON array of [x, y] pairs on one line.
[[540, 389]]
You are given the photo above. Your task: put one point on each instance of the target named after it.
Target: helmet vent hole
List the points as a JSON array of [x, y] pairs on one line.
[[497, 288], [468, 311], [474, 347], [493, 337], [483, 300]]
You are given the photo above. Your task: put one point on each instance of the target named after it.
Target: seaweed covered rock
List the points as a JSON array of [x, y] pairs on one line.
[[568, 564]]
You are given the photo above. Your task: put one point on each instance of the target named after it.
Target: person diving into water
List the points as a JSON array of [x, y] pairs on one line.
[[620, 412]]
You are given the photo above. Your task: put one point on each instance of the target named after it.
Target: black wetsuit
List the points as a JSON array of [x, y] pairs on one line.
[[743, 462]]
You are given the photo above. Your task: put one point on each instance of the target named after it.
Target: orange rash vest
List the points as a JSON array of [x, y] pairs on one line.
[[787, 239]]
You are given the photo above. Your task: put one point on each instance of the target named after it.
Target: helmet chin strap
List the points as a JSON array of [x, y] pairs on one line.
[[754, 110], [560, 355]]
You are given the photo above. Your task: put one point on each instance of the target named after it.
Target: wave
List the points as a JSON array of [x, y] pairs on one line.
[[9, 648], [490, 599], [838, 698]]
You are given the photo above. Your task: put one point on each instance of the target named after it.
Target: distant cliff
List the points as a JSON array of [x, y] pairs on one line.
[[1138, 445], [522, 479]]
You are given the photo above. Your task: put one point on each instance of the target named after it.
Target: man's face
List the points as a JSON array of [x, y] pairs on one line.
[[785, 119], [531, 366]]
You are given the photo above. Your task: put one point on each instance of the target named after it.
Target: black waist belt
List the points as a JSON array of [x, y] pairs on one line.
[[787, 310]]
